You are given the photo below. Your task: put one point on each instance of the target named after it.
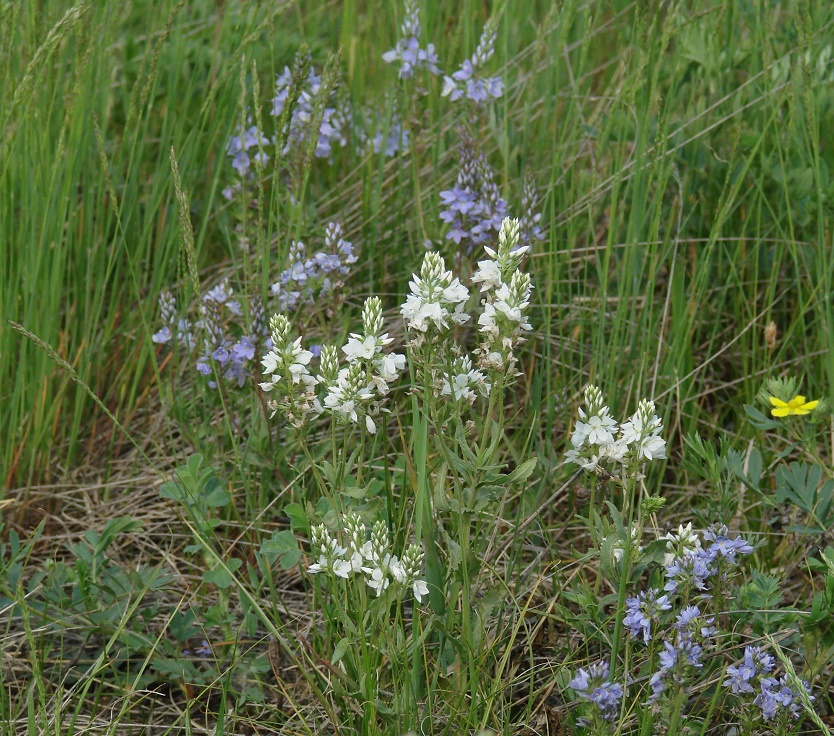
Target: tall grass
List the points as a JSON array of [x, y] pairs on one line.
[[698, 158]]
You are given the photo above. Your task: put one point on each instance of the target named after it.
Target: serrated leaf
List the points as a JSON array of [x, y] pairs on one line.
[[179, 669], [486, 495]]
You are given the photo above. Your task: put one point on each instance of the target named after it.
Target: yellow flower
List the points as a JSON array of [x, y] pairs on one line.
[[797, 405]]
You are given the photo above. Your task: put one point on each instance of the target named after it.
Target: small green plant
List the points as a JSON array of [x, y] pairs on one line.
[[108, 604]]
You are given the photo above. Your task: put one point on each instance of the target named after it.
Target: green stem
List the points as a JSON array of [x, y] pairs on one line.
[[625, 574], [464, 522]]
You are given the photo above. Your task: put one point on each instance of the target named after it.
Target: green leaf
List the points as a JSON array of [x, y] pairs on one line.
[[455, 552], [193, 464], [178, 669], [798, 483], [754, 468], [172, 490], [322, 507], [654, 551], [523, 471], [759, 420], [385, 709], [214, 494], [441, 500], [617, 518], [290, 559], [221, 575], [113, 528], [360, 493], [461, 467], [828, 559], [251, 694], [330, 473], [297, 516], [340, 650], [824, 498], [182, 625], [283, 546]]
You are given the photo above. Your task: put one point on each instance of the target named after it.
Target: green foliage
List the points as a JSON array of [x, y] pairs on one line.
[[799, 484], [283, 547], [759, 601], [107, 604], [819, 624], [196, 488]]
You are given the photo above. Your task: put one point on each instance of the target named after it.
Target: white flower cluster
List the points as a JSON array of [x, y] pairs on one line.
[[436, 302], [594, 441], [351, 393], [290, 379], [506, 291], [464, 382], [369, 557], [684, 543]]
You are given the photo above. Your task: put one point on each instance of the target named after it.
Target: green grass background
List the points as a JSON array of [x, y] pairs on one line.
[[679, 147]]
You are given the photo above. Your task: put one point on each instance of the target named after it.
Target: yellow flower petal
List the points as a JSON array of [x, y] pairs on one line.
[[796, 406]]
